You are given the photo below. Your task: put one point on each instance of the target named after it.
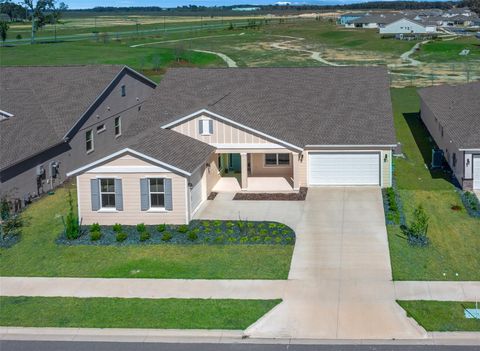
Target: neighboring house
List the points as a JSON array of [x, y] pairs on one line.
[[452, 116], [325, 126], [54, 119], [373, 21], [407, 26], [347, 18]]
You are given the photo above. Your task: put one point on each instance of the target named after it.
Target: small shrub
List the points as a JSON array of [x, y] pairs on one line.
[[144, 236], [206, 224], [274, 232], [219, 239], [230, 224], [71, 223], [167, 236], [161, 228], [272, 225], [117, 227], [243, 240], [263, 232], [207, 240], [250, 224], [192, 235], [95, 227], [232, 240], [217, 223], [141, 228], [416, 232], [218, 231], [121, 237], [95, 235], [267, 239], [278, 240], [182, 228], [256, 239], [289, 240], [230, 232]]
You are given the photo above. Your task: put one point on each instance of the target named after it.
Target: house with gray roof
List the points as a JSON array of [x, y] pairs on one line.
[[241, 130], [53, 119], [452, 116]]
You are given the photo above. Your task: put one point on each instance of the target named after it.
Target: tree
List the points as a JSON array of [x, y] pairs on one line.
[[38, 11], [474, 5], [56, 15], [4, 26]]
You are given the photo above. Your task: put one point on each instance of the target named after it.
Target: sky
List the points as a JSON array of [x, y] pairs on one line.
[[82, 4]]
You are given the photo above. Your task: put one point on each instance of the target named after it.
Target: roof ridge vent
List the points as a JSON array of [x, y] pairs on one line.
[[4, 115]]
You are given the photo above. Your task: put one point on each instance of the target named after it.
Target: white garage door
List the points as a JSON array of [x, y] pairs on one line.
[[344, 169], [196, 196], [476, 172]]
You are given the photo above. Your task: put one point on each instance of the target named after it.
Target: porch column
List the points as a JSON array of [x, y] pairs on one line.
[[296, 171], [244, 170]]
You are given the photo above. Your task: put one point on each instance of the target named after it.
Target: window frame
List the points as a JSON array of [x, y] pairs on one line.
[[150, 192], [206, 131], [119, 126], [276, 164], [102, 129], [101, 193], [92, 148]]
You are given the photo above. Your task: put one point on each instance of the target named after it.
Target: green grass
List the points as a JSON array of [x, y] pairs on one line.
[[454, 236], [132, 313], [89, 52], [448, 51], [441, 315], [38, 255]]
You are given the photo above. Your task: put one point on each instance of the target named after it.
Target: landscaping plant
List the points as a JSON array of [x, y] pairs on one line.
[[417, 230], [71, 223], [121, 237], [10, 225]]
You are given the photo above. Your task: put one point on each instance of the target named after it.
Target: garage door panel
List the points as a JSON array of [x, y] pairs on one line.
[[344, 169]]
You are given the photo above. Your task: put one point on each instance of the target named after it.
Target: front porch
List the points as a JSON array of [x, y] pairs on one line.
[[258, 171], [255, 184]]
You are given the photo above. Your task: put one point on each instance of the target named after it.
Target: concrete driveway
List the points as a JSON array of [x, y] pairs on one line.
[[340, 284]]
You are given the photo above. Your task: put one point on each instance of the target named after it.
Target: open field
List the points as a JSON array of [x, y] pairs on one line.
[[305, 42], [38, 255], [441, 315], [70, 312], [455, 242]]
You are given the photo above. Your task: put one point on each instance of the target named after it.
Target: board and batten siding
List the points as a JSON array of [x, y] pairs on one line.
[[132, 213], [223, 133]]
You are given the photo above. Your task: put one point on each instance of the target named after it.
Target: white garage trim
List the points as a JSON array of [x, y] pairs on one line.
[[476, 172], [344, 168]]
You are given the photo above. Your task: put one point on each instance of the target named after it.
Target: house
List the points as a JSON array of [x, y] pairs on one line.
[[452, 116], [373, 21], [407, 26], [299, 127], [53, 119], [347, 18]]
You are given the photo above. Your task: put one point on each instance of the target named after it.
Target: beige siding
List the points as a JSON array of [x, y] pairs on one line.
[[259, 169], [131, 213], [222, 133], [128, 160]]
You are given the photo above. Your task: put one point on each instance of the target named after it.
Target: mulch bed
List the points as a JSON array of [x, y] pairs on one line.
[[300, 196]]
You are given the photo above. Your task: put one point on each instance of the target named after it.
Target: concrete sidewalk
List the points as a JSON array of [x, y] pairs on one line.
[[213, 336], [437, 290], [143, 288]]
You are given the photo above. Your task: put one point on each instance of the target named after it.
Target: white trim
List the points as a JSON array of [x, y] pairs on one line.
[[187, 202], [352, 146], [106, 210], [248, 146], [199, 112], [123, 151], [99, 131], [86, 141], [104, 91], [469, 150], [79, 212], [156, 209], [119, 126], [128, 169]]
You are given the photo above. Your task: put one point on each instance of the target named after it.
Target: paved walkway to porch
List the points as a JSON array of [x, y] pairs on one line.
[[255, 184]]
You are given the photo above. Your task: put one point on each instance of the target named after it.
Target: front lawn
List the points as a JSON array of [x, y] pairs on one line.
[[71, 312], [454, 235], [441, 315], [37, 254]]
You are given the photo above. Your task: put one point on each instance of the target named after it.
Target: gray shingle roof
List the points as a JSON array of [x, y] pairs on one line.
[[458, 110], [164, 145], [46, 102], [301, 106]]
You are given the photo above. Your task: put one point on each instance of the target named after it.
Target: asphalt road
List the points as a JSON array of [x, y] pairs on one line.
[[112, 346]]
